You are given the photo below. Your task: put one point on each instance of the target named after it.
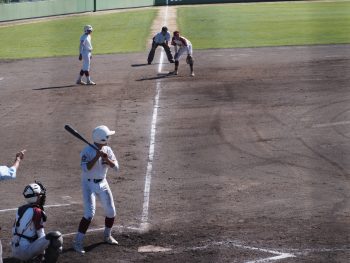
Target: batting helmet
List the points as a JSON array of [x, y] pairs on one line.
[[88, 29], [176, 33], [165, 29], [33, 192], [101, 134]]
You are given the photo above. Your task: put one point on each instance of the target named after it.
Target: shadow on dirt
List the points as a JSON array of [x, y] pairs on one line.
[[57, 87], [159, 76]]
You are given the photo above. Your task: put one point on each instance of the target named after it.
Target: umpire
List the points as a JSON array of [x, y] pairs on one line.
[[161, 39]]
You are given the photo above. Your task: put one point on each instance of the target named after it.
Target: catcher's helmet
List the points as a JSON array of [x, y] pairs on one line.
[[101, 134], [165, 29], [88, 29], [33, 191], [176, 33]]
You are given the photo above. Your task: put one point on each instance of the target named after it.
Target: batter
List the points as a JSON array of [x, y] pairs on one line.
[[94, 165]]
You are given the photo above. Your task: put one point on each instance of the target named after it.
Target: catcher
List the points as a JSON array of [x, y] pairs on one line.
[[182, 45], [29, 240]]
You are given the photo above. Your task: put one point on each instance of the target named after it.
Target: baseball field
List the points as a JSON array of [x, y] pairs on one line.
[[246, 162]]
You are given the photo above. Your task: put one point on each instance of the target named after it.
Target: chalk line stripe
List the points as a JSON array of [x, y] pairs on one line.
[[146, 192], [146, 195], [279, 256], [331, 124], [46, 206], [102, 229]]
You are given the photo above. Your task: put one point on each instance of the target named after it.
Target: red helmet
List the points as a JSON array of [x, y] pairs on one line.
[[176, 33]]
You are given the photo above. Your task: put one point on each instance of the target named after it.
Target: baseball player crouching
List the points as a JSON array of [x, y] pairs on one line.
[[182, 45], [29, 240], [85, 49], [161, 39], [94, 165]]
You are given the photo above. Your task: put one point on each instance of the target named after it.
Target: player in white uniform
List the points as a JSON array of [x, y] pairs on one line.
[[10, 173], [85, 49], [29, 240], [94, 165], [161, 39], [182, 45]]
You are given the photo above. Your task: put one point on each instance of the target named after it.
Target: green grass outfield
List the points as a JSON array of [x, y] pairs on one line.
[[265, 24], [207, 26], [113, 33]]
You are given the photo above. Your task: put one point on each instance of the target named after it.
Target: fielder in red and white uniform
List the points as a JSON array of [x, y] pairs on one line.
[[85, 49], [182, 46], [29, 240], [94, 165]]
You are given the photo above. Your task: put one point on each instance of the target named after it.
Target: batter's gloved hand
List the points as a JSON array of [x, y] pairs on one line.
[[80, 57], [102, 154]]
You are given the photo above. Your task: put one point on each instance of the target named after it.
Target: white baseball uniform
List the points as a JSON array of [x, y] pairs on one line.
[[85, 50], [181, 45], [7, 172], [94, 182], [28, 238]]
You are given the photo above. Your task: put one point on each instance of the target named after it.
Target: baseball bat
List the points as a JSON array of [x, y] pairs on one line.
[[79, 136]]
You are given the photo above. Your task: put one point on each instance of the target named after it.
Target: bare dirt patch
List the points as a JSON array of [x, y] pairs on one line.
[[252, 151]]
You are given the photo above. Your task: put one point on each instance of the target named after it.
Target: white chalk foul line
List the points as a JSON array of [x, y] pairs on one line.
[[46, 206], [148, 178], [331, 124]]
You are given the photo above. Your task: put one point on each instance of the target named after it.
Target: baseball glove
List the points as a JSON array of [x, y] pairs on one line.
[[189, 59]]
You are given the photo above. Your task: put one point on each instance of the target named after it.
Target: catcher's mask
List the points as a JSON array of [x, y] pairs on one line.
[[35, 193]]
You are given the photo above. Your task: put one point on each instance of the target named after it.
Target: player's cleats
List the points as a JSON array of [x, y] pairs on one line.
[[172, 61], [175, 72], [192, 74], [110, 240], [78, 247], [80, 82], [90, 83]]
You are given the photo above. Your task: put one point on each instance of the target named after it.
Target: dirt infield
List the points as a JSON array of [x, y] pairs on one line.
[[251, 156]]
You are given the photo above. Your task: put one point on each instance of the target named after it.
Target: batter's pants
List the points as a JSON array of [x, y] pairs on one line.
[[153, 51]]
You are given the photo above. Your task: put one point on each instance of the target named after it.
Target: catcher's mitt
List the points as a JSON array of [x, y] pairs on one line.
[[189, 59]]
